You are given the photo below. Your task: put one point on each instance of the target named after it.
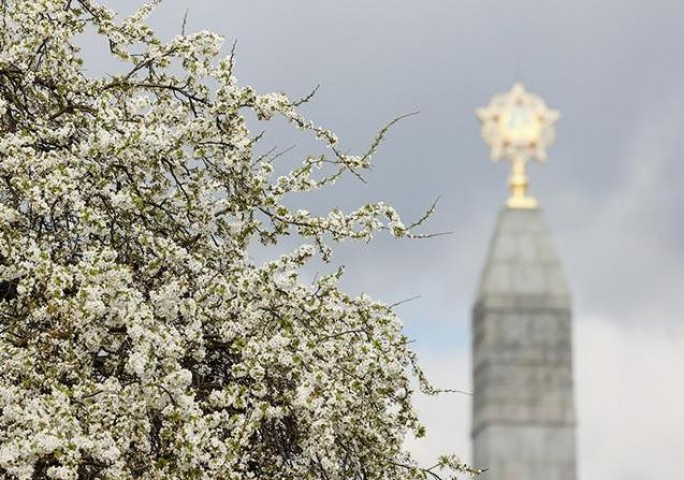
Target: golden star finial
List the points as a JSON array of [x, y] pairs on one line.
[[518, 126]]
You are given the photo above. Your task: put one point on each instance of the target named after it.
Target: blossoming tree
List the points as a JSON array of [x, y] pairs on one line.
[[137, 337]]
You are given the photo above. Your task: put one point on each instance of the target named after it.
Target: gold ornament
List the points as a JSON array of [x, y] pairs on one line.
[[518, 126]]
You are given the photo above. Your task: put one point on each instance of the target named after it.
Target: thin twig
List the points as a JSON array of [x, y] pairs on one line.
[[185, 21], [401, 302], [308, 97]]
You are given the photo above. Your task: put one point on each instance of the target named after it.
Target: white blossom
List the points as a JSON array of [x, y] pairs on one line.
[[138, 338]]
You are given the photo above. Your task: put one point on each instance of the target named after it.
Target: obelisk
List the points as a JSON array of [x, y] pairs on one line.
[[523, 424]]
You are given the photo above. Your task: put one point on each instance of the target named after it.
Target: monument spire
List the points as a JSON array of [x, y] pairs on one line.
[[523, 418], [518, 127]]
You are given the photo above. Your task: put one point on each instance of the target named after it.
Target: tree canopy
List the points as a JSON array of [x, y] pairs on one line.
[[138, 338]]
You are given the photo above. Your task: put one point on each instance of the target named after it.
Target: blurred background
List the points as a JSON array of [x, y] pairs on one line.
[[611, 190]]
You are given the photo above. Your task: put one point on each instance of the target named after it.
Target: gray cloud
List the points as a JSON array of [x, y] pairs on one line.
[[630, 397]]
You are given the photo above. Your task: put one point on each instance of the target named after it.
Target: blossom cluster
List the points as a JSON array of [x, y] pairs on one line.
[[138, 338]]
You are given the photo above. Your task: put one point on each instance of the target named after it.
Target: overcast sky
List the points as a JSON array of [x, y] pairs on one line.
[[611, 190]]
